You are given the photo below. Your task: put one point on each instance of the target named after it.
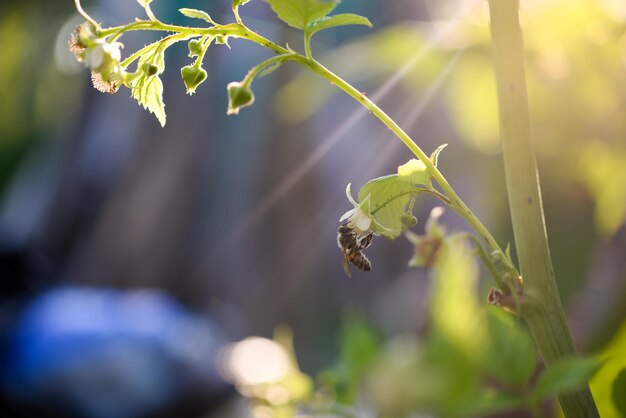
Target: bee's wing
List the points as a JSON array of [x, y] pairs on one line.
[[346, 264]]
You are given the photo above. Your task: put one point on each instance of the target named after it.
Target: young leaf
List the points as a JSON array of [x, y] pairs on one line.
[[434, 157], [148, 89], [149, 93], [336, 20], [299, 13], [388, 197], [197, 14], [565, 375]]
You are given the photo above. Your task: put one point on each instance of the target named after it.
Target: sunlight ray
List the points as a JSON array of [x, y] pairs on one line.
[[384, 153]]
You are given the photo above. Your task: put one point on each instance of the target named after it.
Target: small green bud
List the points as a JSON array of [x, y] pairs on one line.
[[408, 220], [192, 77], [195, 48], [86, 34], [222, 40], [239, 96], [149, 69]]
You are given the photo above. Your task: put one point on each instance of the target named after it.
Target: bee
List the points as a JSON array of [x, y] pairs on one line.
[[351, 247]]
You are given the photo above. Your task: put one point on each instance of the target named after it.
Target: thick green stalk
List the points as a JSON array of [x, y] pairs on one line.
[[544, 315]]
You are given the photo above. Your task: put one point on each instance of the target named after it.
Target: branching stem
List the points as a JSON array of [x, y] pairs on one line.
[[238, 30]]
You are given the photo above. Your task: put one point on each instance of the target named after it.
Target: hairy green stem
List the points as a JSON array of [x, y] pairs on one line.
[[455, 201], [205, 42], [546, 320]]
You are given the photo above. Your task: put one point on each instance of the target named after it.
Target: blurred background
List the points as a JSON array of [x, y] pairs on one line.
[[130, 254]]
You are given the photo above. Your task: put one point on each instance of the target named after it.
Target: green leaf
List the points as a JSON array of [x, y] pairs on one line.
[[299, 13], [565, 375], [148, 89], [336, 20], [510, 355], [149, 93], [197, 14], [388, 198], [618, 392]]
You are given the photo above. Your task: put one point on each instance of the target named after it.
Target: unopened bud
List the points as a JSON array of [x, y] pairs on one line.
[[192, 77], [239, 96], [149, 69], [195, 48], [408, 220]]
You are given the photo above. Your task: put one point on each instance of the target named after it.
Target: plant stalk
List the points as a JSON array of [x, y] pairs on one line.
[[545, 317]]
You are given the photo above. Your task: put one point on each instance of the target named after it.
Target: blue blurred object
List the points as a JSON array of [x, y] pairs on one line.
[[100, 353]]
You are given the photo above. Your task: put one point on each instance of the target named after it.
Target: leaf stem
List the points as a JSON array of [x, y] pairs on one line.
[[307, 46], [259, 67], [546, 320]]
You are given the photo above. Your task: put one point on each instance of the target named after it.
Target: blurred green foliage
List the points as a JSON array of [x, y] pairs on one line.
[[474, 360], [608, 377], [37, 99]]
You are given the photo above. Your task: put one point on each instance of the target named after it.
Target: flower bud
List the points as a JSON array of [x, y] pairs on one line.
[[193, 77], [195, 48], [149, 69], [408, 220], [239, 96]]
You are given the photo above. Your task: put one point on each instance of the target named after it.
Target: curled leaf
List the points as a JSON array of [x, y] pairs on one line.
[[197, 14]]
